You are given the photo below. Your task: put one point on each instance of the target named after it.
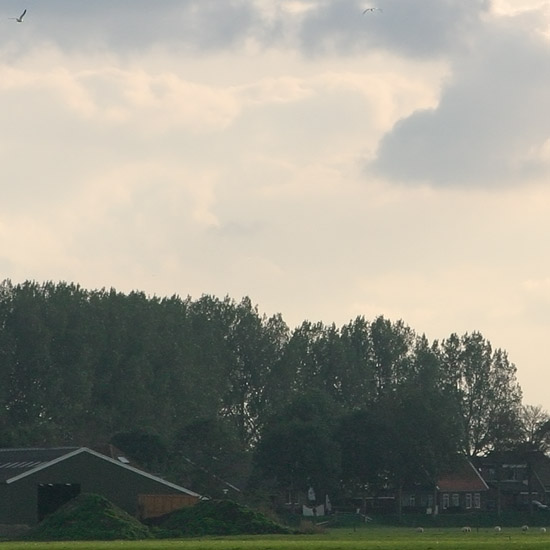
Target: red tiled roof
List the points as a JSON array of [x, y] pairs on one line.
[[464, 478]]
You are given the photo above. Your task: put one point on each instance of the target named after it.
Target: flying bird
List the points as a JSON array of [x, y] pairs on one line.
[[20, 18], [371, 10]]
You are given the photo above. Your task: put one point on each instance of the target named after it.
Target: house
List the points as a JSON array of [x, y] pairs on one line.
[[35, 482], [460, 490], [516, 479], [463, 489]]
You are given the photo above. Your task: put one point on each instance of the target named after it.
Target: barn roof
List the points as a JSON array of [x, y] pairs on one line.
[[463, 478], [16, 464]]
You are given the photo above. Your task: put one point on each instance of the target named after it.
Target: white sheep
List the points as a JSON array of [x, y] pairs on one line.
[[466, 529], [498, 528], [543, 529], [525, 528], [420, 529]]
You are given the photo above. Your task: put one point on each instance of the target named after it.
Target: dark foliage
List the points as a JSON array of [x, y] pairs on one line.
[[198, 390]]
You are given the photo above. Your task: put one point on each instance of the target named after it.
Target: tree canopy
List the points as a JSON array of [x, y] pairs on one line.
[[212, 382]]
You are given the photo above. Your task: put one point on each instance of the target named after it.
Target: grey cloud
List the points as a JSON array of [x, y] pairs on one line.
[[490, 119], [424, 28], [139, 24], [420, 29]]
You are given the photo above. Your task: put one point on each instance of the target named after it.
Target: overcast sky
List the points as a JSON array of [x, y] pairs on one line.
[[325, 162]]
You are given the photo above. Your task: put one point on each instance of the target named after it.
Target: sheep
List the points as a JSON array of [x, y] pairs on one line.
[[466, 529], [420, 529], [498, 528], [543, 529], [525, 528]]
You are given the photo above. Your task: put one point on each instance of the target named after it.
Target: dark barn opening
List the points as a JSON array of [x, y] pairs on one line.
[[51, 496]]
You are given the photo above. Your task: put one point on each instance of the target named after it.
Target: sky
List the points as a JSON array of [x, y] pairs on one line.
[[325, 162]]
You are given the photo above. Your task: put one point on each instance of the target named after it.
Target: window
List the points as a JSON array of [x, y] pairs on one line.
[[445, 501], [468, 500], [430, 500], [477, 500], [456, 500], [412, 501], [514, 472]]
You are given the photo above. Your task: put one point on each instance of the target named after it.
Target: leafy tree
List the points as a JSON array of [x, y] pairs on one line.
[[392, 345], [357, 374], [208, 455], [428, 433], [300, 355], [365, 438], [298, 450], [254, 344], [279, 382], [534, 428], [411, 434], [488, 393], [29, 358], [79, 366], [147, 449]]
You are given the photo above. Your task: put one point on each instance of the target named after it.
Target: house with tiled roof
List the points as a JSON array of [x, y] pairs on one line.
[[35, 482], [461, 489]]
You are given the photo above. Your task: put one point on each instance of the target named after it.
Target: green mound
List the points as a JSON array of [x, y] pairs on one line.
[[218, 517], [89, 517]]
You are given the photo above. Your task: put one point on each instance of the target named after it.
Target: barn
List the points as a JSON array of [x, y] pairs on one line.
[[35, 482]]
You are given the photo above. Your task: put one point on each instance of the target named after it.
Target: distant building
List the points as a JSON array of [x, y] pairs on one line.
[[516, 479], [35, 482], [461, 490]]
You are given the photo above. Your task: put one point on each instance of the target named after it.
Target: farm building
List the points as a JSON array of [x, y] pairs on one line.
[[35, 482], [516, 479], [460, 490]]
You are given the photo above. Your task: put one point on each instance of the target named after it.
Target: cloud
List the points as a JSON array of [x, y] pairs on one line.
[[427, 29], [491, 124], [314, 27], [136, 25]]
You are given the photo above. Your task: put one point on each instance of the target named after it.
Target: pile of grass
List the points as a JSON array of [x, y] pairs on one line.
[[216, 517], [89, 517]]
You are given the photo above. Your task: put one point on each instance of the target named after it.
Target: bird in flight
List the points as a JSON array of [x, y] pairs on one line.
[[20, 18], [371, 10]]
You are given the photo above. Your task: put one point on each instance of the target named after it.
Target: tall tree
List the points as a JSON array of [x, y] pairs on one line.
[[254, 345], [392, 347], [208, 456], [357, 375], [29, 361], [411, 434], [534, 428], [365, 438], [488, 392], [298, 449]]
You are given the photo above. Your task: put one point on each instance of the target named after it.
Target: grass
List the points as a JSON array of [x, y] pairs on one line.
[[364, 538]]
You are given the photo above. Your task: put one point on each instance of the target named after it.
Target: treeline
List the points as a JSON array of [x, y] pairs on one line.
[[209, 389]]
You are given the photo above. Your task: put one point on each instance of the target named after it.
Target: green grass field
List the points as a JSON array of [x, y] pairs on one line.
[[335, 539]]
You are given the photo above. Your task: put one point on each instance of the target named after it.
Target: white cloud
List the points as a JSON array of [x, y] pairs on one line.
[[515, 7]]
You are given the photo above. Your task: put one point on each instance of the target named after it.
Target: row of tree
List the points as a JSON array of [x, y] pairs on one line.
[[211, 385]]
